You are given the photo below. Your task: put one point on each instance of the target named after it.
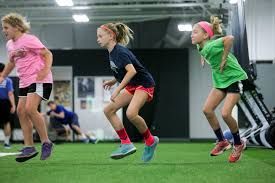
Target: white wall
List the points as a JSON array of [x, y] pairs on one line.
[[265, 81], [260, 22], [3, 52]]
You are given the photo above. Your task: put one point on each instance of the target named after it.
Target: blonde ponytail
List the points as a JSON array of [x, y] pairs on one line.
[[123, 34], [216, 25]]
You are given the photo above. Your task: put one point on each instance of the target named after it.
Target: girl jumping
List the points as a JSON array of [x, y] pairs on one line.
[[138, 85], [227, 75], [33, 62]]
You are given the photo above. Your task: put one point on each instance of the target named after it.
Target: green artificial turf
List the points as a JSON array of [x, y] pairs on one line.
[[174, 162]]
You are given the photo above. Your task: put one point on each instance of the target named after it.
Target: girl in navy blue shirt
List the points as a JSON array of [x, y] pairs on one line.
[[138, 85]]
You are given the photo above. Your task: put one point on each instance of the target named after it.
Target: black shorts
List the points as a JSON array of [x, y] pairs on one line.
[[236, 87], [41, 89], [5, 115]]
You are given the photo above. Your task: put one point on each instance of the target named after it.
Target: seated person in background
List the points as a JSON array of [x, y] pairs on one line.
[[65, 117], [60, 129], [56, 130]]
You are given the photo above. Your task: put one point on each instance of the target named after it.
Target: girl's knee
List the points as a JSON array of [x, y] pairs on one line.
[[21, 111], [207, 111], [109, 109], [31, 110], [226, 115], [131, 114]]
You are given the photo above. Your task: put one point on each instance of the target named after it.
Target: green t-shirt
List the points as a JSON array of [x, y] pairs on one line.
[[212, 53]]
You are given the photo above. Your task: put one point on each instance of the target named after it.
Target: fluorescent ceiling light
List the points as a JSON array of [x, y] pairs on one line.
[[233, 1], [81, 18], [64, 2], [185, 27]]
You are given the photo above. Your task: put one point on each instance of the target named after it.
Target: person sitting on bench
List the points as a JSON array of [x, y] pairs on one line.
[[59, 114]]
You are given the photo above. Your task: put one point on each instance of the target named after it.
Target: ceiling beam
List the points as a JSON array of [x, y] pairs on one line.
[[117, 17], [111, 6]]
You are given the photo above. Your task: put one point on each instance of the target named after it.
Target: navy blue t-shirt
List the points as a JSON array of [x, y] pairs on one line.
[[68, 114], [121, 56], [5, 87]]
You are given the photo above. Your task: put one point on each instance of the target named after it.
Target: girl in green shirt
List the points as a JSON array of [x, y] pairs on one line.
[[227, 75]]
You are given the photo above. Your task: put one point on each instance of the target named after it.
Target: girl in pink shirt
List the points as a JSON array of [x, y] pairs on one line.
[[33, 62]]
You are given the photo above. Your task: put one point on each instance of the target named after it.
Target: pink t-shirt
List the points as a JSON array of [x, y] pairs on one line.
[[25, 52]]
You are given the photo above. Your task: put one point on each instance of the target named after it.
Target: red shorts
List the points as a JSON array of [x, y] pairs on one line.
[[149, 91]]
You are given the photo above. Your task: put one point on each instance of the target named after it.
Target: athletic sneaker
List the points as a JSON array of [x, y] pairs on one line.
[[46, 151], [26, 154], [220, 148], [94, 140], [149, 151], [21, 150], [7, 146], [123, 151], [236, 152], [85, 140]]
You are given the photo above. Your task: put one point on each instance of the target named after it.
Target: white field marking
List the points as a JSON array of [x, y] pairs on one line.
[[8, 154]]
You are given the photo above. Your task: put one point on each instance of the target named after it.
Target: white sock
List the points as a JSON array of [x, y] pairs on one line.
[[7, 139]]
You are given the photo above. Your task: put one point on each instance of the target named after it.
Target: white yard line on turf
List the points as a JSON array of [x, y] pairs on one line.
[[8, 154]]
